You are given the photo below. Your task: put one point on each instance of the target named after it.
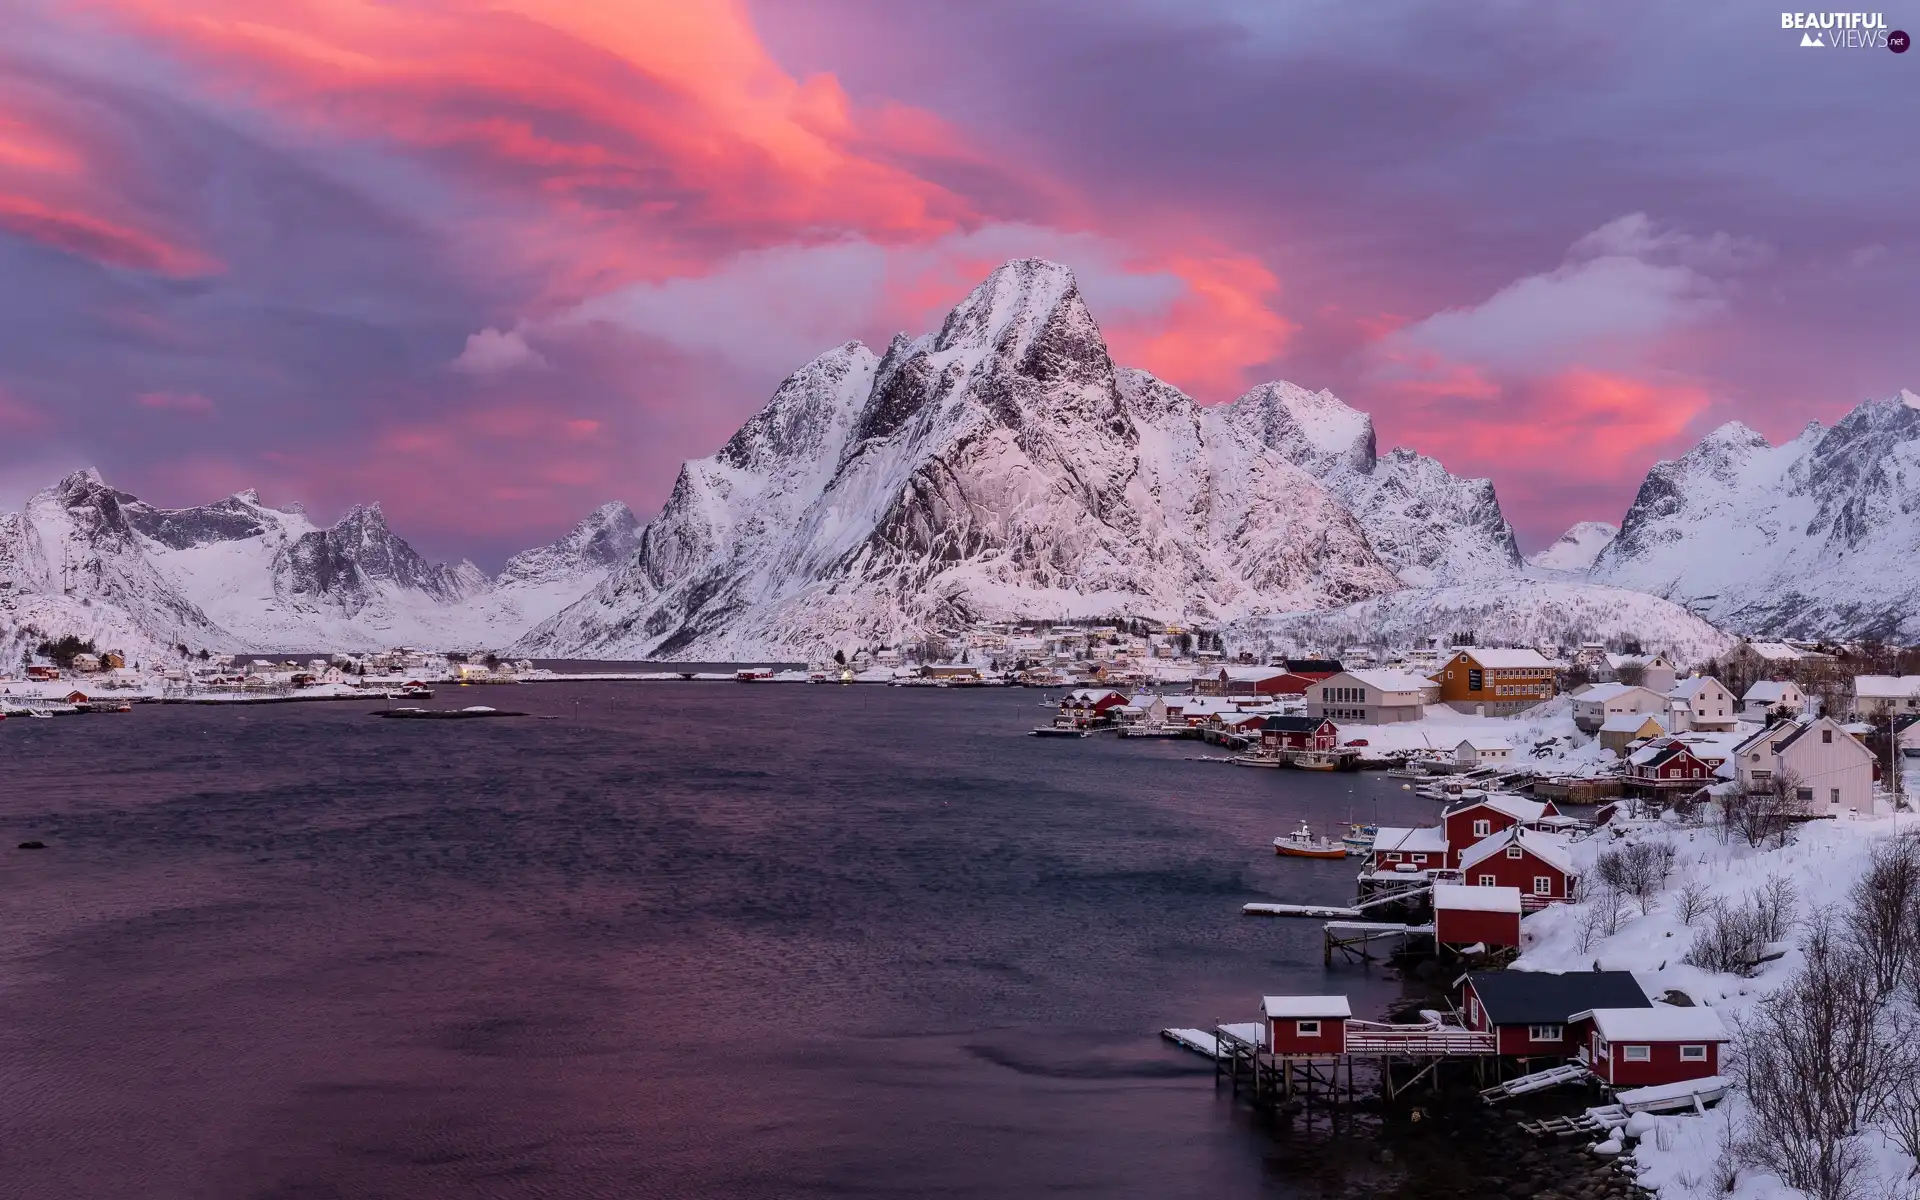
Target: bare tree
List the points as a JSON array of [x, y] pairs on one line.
[[1693, 902], [1631, 674], [1885, 904], [1813, 1059], [1901, 1117], [1736, 936], [1764, 813], [1638, 869]]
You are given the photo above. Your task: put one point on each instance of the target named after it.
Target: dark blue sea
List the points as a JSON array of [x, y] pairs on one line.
[[687, 940]]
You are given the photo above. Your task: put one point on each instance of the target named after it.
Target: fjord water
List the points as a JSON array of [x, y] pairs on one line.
[[687, 940]]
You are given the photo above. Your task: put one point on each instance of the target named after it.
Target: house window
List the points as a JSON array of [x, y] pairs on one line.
[[1543, 885], [1393, 858], [1419, 858], [1599, 1047], [1805, 794], [1826, 735], [1514, 852], [1307, 1028], [1637, 1053], [1833, 795], [1482, 828], [1473, 1010], [1543, 1033], [1693, 1054], [1489, 881], [1449, 674]]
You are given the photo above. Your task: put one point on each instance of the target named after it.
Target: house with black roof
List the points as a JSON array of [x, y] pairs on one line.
[[1280, 734], [1532, 1013]]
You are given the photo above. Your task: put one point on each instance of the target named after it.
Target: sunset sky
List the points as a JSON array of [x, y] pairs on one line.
[[495, 263]]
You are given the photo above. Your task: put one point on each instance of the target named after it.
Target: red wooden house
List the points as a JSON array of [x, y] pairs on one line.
[[1463, 916], [36, 671], [1306, 1026], [1535, 862], [1395, 848], [1298, 733], [1543, 1014], [1479, 819], [1644, 1047], [1088, 706], [1665, 764]]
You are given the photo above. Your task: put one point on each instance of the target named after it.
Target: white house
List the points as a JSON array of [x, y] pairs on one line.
[[1593, 705], [1832, 771], [1701, 702], [1145, 709], [1769, 694], [1878, 695], [1656, 670], [1372, 697], [1481, 751]]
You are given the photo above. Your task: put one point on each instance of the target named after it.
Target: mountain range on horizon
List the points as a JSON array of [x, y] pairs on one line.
[[1003, 467]]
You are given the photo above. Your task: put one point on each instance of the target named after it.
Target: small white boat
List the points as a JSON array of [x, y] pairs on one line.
[[39, 714], [1304, 843]]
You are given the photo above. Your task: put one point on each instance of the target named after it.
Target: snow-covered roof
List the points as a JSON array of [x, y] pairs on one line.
[[1549, 848], [1476, 899], [1143, 700], [1518, 807], [1616, 661], [1399, 838], [1507, 657], [1771, 691], [1252, 674], [1886, 687], [1308, 1007], [1629, 722], [1775, 651], [1692, 686], [1390, 681], [1077, 695], [1481, 745], [1661, 1023], [1602, 692]]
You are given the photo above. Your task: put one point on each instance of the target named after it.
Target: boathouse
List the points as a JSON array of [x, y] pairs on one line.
[[1089, 706], [1399, 849], [1644, 1047], [1281, 734], [1536, 862], [1306, 1026], [1464, 916], [1469, 824], [1545, 1014]]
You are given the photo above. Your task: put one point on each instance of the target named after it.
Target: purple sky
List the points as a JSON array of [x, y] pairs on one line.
[[492, 266]]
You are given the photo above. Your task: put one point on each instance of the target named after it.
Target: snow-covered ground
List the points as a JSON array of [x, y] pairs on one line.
[[1542, 736], [1821, 863]]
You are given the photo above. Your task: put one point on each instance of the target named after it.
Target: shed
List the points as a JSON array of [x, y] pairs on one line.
[[1642, 1047], [1465, 915], [1478, 751], [1533, 1013], [1306, 1026], [1395, 847]]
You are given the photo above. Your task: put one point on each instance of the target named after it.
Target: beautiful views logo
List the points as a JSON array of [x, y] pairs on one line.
[[1845, 31]]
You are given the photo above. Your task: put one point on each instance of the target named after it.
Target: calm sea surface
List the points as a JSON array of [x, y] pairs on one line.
[[685, 941]]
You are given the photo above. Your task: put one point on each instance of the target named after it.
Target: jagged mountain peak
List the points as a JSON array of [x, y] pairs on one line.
[[1576, 549], [1314, 429], [605, 537], [1009, 308]]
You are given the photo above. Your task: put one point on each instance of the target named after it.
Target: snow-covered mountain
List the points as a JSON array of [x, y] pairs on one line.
[[238, 574], [1003, 467], [1819, 536], [1576, 548]]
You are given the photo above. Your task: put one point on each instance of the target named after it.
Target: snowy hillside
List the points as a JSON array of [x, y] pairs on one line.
[[1003, 467], [1517, 613], [85, 558], [1818, 536], [1576, 548]]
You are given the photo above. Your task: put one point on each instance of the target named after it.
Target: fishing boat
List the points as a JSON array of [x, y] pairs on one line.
[[1304, 843], [1359, 839]]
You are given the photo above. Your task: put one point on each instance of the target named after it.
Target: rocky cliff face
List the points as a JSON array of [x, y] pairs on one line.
[[1819, 536]]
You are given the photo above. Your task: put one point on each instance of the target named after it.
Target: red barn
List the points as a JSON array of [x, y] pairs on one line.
[[1537, 863], [1481, 818], [1644, 1047], [1544, 1014], [1465, 915], [1395, 848], [1252, 681], [1298, 733], [1306, 1026]]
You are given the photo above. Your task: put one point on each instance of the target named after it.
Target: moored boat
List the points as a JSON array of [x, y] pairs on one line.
[[1359, 839], [1304, 843]]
